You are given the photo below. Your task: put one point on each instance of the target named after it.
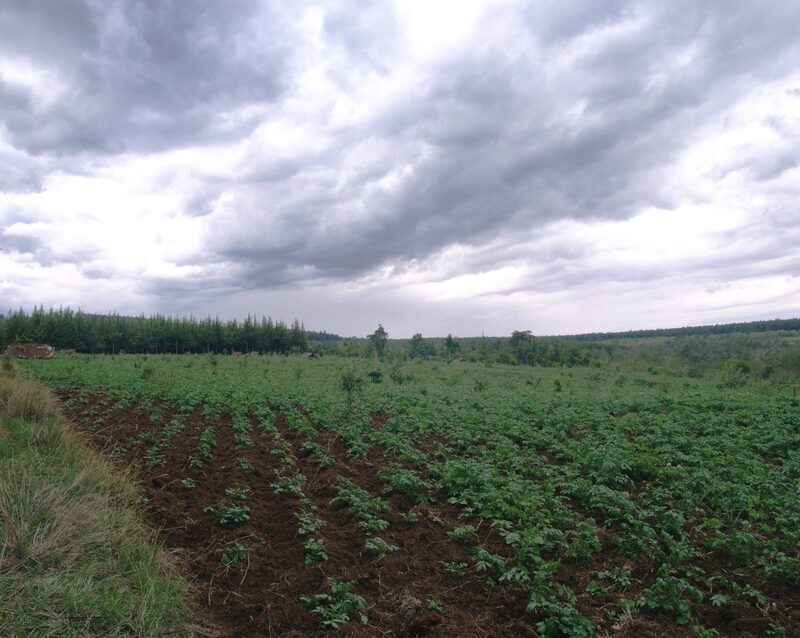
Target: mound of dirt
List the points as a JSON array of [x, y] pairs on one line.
[[30, 351]]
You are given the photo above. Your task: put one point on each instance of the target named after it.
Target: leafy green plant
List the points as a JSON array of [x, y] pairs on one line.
[[351, 383], [668, 594], [291, 485], [595, 589], [488, 563], [619, 576], [314, 551], [314, 449], [234, 553], [242, 440], [462, 533], [338, 606], [583, 541], [454, 568], [238, 493], [783, 567], [207, 441], [563, 621], [435, 605], [230, 515], [396, 374], [774, 630], [370, 524], [358, 501], [377, 545], [309, 523], [405, 482], [153, 457]]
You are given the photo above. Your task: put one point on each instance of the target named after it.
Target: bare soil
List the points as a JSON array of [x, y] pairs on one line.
[[409, 592], [261, 597]]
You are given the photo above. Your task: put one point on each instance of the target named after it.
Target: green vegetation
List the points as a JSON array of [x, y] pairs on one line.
[[111, 334], [230, 515], [632, 487], [378, 340], [365, 508], [732, 352], [234, 553], [75, 559], [337, 607]]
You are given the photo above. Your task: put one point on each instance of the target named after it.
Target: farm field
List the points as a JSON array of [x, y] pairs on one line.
[[438, 499]]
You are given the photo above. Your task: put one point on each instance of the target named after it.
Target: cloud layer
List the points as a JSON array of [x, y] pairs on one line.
[[466, 167]]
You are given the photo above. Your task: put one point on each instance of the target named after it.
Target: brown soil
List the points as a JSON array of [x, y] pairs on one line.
[[261, 597], [409, 592]]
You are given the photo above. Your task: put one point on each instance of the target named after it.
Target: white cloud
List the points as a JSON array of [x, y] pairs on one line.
[[459, 167]]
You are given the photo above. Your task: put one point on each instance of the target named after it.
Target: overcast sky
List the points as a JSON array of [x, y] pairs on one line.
[[437, 166]]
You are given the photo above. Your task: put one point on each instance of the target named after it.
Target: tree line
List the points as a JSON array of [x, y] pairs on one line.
[[113, 333], [521, 348], [770, 353], [767, 325]]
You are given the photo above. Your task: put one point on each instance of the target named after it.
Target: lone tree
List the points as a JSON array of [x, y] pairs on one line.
[[417, 347], [451, 345], [378, 340], [521, 344]]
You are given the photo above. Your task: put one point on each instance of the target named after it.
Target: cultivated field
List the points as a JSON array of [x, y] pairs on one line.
[[457, 499]]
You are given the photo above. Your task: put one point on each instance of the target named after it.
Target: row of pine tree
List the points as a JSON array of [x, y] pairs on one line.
[[113, 333]]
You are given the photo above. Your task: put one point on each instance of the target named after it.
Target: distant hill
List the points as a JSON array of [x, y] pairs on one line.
[[770, 325], [315, 335]]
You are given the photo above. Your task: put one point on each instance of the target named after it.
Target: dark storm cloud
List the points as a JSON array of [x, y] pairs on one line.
[[19, 244], [97, 273], [501, 143], [134, 76], [18, 174], [775, 166], [553, 110], [186, 286], [45, 254], [27, 233]]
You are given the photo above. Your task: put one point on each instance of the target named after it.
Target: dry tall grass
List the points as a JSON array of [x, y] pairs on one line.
[[22, 398], [75, 557]]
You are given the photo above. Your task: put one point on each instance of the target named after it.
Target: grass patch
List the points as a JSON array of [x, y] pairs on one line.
[[75, 557], [22, 398]]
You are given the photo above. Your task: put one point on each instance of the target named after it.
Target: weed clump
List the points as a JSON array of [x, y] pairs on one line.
[[75, 556], [22, 398]]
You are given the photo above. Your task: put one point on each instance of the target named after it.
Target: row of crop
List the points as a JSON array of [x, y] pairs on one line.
[[675, 476]]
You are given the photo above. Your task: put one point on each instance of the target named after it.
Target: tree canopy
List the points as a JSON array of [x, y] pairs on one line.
[[65, 328], [378, 340]]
